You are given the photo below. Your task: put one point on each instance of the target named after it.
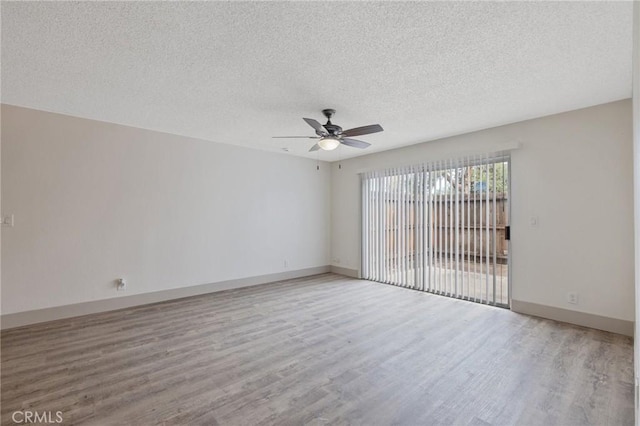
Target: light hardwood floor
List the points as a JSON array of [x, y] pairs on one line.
[[321, 350]]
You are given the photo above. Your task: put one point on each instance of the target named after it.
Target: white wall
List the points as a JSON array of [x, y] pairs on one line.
[[636, 188], [95, 201], [574, 172]]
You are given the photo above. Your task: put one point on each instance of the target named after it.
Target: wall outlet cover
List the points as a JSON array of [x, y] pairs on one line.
[[121, 284], [7, 220]]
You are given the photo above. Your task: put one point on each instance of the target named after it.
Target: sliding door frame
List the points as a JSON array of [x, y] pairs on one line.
[[420, 242]]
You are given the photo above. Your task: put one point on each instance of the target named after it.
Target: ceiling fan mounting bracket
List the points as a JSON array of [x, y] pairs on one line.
[[328, 113]]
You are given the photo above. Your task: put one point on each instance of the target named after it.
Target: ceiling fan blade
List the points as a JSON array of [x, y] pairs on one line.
[[314, 148], [317, 126], [364, 130], [355, 143], [295, 137]]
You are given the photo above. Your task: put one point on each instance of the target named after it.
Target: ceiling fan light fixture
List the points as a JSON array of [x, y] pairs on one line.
[[329, 143]]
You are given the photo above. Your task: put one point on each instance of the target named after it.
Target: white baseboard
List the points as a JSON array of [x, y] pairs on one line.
[[353, 273], [19, 319], [584, 319], [67, 311]]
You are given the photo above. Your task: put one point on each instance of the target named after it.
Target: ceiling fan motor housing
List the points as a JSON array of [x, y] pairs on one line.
[[332, 128]]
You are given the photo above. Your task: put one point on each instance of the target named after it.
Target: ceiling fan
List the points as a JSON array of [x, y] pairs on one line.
[[330, 135]]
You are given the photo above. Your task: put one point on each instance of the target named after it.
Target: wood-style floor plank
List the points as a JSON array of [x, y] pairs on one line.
[[317, 350]]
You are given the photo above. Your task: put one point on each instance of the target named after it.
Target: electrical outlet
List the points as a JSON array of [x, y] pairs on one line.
[[572, 297], [121, 284], [7, 220]]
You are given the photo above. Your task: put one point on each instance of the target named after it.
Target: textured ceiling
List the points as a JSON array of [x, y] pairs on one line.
[[240, 73]]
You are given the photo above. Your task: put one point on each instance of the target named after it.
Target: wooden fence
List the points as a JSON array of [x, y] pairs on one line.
[[474, 224]]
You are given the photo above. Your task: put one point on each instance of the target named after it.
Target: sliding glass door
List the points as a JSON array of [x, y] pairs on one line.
[[441, 227]]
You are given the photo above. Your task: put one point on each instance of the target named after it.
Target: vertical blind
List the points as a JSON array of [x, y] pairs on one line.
[[439, 227]]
